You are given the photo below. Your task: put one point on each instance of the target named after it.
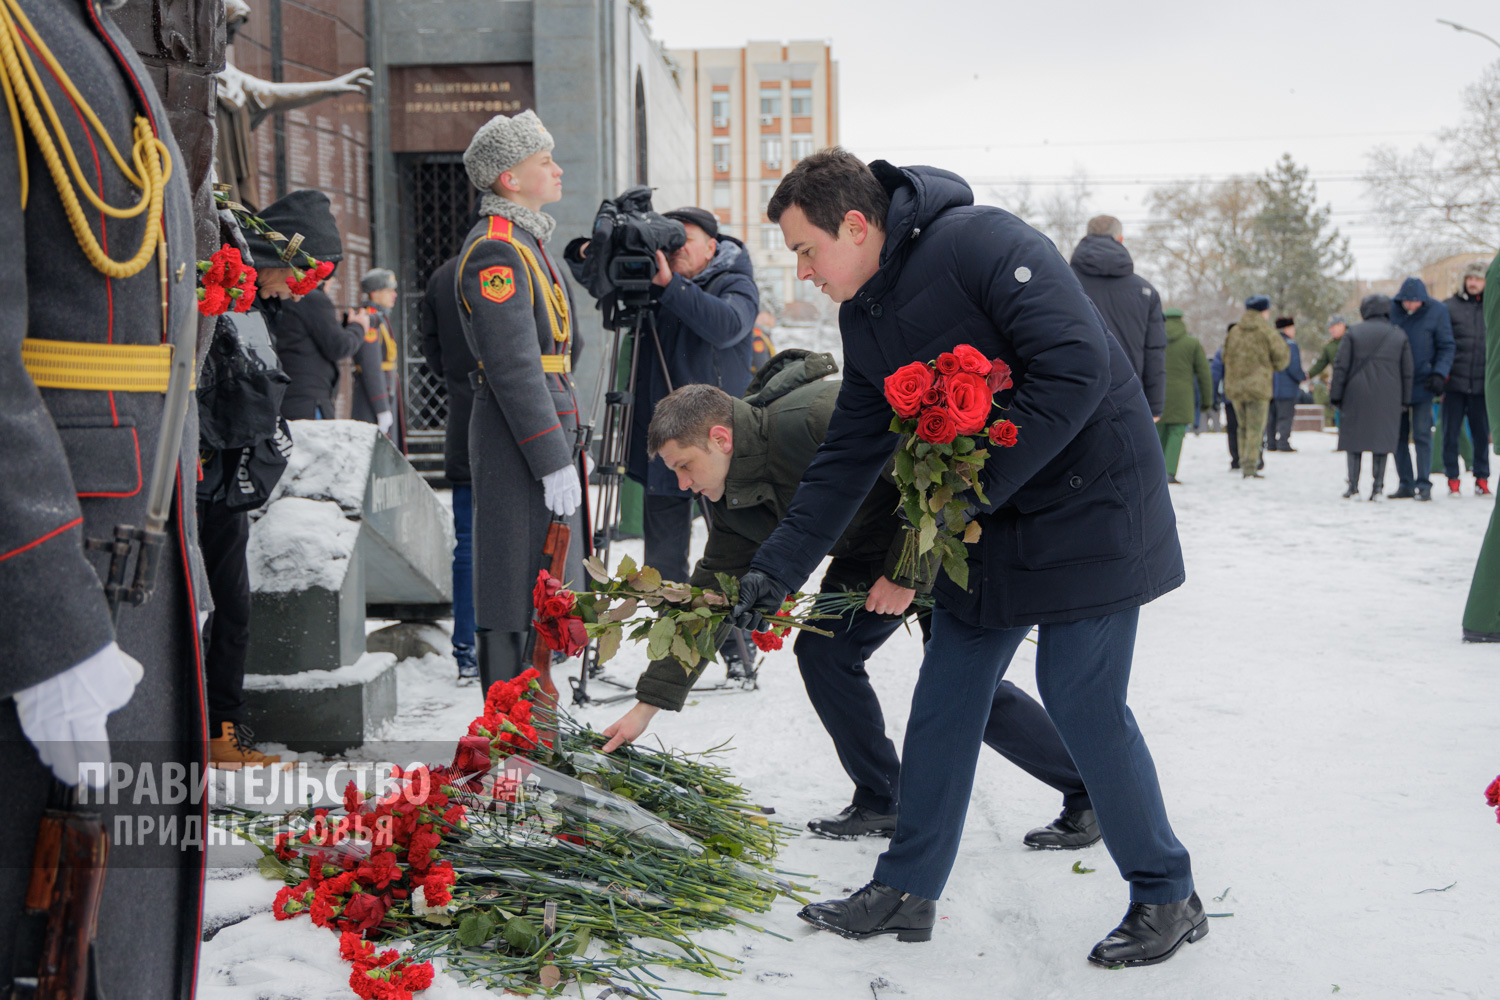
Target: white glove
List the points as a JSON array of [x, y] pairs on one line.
[[561, 491], [384, 420], [63, 716]]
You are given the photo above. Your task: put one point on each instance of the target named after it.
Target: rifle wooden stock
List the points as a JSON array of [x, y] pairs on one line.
[[559, 539], [67, 881]]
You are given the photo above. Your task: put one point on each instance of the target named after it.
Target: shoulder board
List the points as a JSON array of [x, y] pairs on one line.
[[500, 229]]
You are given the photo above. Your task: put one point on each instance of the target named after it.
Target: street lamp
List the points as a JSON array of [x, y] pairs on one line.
[[1458, 27]]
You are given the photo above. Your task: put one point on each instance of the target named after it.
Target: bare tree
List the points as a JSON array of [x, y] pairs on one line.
[[1061, 216], [1445, 199]]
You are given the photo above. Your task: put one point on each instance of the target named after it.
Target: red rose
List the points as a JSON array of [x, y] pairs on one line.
[[546, 586], [970, 359], [947, 364], [904, 388], [550, 632], [937, 426], [969, 401], [559, 605], [998, 378], [1004, 433], [933, 397], [379, 870], [473, 755], [1492, 793]]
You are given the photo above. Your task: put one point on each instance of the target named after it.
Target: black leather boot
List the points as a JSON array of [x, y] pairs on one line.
[[1151, 933], [854, 821], [1073, 828], [875, 909]]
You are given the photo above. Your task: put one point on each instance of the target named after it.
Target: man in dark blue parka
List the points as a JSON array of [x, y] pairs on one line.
[[707, 304], [1429, 328], [1077, 535]]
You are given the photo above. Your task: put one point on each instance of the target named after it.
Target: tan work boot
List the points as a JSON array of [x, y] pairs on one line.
[[234, 748]]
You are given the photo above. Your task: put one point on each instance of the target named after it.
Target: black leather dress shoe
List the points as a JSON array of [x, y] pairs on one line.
[[1073, 829], [875, 909], [854, 821], [1151, 933]]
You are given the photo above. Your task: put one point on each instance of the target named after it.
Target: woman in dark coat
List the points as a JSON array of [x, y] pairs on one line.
[[1371, 386]]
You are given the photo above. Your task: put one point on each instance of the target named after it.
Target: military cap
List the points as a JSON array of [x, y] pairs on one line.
[[1260, 303], [377, 279]]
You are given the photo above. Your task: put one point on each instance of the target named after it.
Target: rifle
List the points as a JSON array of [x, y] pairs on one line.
[[555, 557]]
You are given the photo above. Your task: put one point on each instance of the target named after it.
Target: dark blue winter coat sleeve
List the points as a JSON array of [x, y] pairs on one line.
[[1442, 339], [1059, 341], [1294, 368], [723, 317], [834, 486]]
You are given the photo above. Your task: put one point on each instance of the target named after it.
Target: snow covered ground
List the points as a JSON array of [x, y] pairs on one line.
[[1323, 738]]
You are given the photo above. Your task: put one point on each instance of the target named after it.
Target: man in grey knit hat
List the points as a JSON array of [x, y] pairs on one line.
[[517, 316]]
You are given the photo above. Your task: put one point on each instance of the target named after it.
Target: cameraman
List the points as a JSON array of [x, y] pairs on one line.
[[708, 301]]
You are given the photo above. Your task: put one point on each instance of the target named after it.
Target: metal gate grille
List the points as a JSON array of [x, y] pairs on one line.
[[437, 202]]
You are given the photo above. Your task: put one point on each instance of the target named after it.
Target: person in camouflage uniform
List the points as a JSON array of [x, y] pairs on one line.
[[1186, 364], [752, 455], [1482, 612], [1253, 352]]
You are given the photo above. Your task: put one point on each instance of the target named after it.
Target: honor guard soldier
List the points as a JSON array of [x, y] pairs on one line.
[[97, 311], [517, 314], [376, 388]]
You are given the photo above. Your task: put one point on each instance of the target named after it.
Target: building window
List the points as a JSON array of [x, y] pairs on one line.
[[801, 101], [721, 155], [767, 189], [802, 147], [722, 198], [770, 151], [771, 238], [720, 110], [770, 103]]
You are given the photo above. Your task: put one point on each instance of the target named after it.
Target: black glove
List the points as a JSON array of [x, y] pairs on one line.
[[760, 595], [1435, 383]]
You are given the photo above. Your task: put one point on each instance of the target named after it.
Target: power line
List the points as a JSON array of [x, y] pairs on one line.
[[1184, 140]]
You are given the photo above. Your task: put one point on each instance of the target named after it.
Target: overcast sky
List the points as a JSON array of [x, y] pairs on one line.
[[1132, 94]]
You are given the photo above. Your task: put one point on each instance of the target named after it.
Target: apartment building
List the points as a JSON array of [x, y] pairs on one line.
[[758, 110]]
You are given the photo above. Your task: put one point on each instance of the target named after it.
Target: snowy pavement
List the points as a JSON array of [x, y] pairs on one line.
[[1323, 739]]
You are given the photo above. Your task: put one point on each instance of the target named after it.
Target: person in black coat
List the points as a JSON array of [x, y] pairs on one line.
[[1286, 389], [1463, 394], [707, 301], [1078, 529], [449, 358], [1371, 386], [1129, 303], [1429, 328]]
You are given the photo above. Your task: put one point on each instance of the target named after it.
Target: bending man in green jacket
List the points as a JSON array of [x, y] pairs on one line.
[[746, 457]]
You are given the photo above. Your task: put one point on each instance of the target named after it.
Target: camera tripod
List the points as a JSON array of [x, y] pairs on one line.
[[632, 316]]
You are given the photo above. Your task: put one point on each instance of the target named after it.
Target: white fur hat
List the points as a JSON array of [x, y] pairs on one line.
[[501, 143]]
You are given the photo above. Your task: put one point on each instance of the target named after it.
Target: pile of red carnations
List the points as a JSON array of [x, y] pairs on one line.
[[225, 282], [305, 280], [382, 976]]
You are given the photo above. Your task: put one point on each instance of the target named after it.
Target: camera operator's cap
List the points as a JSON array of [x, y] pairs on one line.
[[1260, 303], [700, 217], [302, 217], [501, 143], [1336, 319], [377, 279], [1282, 322]]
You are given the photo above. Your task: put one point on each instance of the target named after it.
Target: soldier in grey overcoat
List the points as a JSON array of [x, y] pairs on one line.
[[1371, 386], [76, 462], [517, 314]]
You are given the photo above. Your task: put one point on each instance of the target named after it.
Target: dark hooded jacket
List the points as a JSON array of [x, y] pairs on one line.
[[449, 357], [310, 341], [1430, 331], [1466, 312], [1131, 308], [1371, 381], [704, 324], [1078, 523]]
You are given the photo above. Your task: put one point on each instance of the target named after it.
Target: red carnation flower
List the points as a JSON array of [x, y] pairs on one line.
[[417, 977], [1004, 433], [766, 641], [937, 426], [379, 870], [970, 359], [904, 388]]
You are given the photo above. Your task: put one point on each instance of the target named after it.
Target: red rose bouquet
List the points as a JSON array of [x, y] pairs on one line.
[[558, 624], [941, 407], [1492, 797]]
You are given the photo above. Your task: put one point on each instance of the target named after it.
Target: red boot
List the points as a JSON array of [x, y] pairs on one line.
[[1481, 487], [1454, 487]]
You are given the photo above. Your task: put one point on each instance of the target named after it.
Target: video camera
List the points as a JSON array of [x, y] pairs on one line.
[[617, 262]]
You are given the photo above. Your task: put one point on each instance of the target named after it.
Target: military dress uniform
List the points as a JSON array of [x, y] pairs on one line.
[[83, 371], [517, 316], [374, 368]]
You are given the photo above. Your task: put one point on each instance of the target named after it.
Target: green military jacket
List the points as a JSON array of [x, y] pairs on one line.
[[1185, 363], [778, 426], [1326, 357], [1253, 352]]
